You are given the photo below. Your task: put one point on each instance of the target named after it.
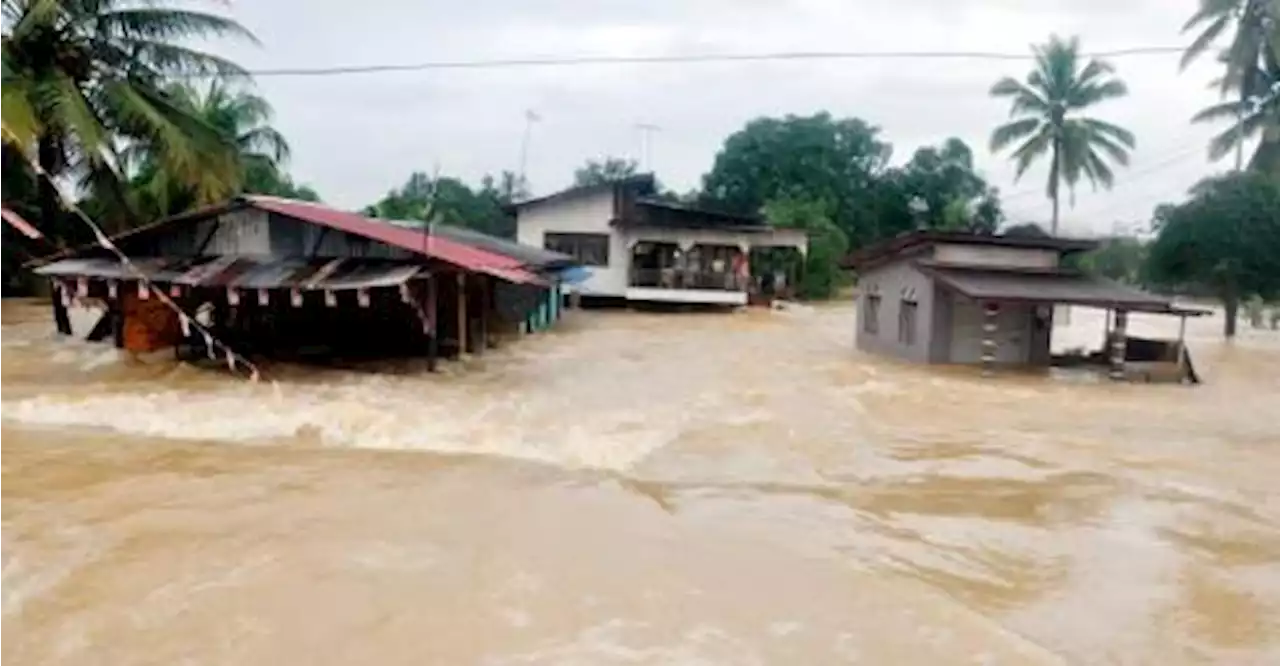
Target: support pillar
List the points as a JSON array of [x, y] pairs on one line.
[[462, 314], [482, 315], [544, 310], [433, 342], [60, 317], [1119, 338], [990, 312], [555, 302]]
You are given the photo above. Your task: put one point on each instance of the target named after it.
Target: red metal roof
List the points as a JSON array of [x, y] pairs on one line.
[[405, 238]]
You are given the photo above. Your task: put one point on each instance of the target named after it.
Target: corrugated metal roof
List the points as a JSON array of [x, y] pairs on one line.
[[1044, 287], [414, 240], [243, 273]]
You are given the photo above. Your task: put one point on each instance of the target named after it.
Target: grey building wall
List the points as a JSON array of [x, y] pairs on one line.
[[892, 282]]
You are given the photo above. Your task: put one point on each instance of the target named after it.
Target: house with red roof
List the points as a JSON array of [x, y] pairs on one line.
[[282, 277]]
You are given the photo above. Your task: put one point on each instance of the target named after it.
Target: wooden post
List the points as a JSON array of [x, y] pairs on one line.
[[60, 317], [491, 309], [1118, 345], [117, 324], [433, 342], [462, 314], [482, 328], [990, 311]]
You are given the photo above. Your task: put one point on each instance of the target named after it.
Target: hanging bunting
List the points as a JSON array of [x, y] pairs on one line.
[[264, 297], [330, 298], [185, 323], [231, 361], [405, 296], [82, 287], [362, 297], [208, 345], [113, 288], [144, 291], [295, 297], [233, 296], [64, 294]]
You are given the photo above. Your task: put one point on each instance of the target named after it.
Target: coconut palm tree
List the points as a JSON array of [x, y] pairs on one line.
[[1250, 83], [84, 80], [242, 120], [1045, 109]]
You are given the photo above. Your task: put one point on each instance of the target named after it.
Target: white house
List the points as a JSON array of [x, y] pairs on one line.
[[639, 247]]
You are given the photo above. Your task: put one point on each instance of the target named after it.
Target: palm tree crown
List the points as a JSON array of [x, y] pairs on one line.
[[82, 80], [1045, 121]]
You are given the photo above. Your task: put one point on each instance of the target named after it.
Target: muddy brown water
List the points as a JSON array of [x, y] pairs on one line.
[[640, 489]]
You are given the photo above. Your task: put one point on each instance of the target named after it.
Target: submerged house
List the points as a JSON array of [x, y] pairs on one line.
[[642, 248], [948, 297], [277, 277]]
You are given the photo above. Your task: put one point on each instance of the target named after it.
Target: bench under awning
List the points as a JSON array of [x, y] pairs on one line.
[[1047, 286]]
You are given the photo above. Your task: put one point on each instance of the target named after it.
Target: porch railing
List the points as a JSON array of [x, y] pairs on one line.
[[674, 278]]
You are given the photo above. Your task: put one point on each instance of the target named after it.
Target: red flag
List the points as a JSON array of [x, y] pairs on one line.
[[15, 220]]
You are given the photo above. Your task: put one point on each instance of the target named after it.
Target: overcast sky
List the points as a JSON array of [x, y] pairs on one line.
[[356, 136]]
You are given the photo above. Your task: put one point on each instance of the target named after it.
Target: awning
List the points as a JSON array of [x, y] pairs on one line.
[[333, 274], [1047, 286]]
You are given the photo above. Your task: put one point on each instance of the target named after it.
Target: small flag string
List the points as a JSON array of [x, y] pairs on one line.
[[144, 281]]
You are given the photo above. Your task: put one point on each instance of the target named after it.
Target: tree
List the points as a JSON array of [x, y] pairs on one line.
[[821, 273], [808, 158], [448, 200], [1045, 111], [83, 78], [951, 192], [1118, 258], [610, 169], [1250, 82], [1225, 239], [254, 165]]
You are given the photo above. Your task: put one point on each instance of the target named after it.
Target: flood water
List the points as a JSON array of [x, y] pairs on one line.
[[638, 488]]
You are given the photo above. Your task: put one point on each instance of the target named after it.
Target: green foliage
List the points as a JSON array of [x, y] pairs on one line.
[[1224, 239], [598, 172], [814, 158], [844, 163], [953, 196], [1045, 121], [84, 80], [1119, 258], [451, 201], [821, 274]]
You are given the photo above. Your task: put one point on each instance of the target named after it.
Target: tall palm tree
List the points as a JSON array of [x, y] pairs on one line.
[[1250, 83], [1045, 111], [241, 120], [82, 80]]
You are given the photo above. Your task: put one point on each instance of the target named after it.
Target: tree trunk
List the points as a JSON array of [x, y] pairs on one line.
[[1055, 178], [1231, 305], [47, 154]]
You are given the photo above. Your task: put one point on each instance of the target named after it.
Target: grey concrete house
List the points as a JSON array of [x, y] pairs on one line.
[[948, 297]]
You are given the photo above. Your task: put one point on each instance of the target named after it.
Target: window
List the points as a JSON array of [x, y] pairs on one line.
[[590, 249], [871, 313], [907, 322]]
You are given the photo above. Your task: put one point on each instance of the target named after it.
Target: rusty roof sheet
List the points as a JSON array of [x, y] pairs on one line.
[[336, 274], [986, 283]]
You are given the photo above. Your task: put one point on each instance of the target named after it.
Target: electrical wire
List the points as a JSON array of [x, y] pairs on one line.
[[578, 61]]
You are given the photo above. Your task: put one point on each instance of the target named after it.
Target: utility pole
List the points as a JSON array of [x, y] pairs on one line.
[[530, 117], [646, 144]]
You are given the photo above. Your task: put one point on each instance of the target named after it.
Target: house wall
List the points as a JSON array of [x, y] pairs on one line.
[[892, 281], [1015, 336], [589, 213], [982, 255]]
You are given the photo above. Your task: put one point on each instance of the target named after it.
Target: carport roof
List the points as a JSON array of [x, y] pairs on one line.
[[1049, 286]]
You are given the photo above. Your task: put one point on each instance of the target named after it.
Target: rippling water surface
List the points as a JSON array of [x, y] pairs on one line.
[[640, 489]]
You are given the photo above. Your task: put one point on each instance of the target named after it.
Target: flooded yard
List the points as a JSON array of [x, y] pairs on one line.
[[641, 488]]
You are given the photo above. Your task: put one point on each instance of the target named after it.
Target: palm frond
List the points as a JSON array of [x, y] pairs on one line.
[[1202, 41], [166, 23], [1092, 94], [21, 125], [1101, 127], [33, 16], [1010, 132], [77, 115], [1230, 110], [265, 140], [1098, 171], [1033, 148], [178, 61]]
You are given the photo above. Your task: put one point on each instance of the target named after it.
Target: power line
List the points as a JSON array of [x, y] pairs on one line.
[[578, 61]]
